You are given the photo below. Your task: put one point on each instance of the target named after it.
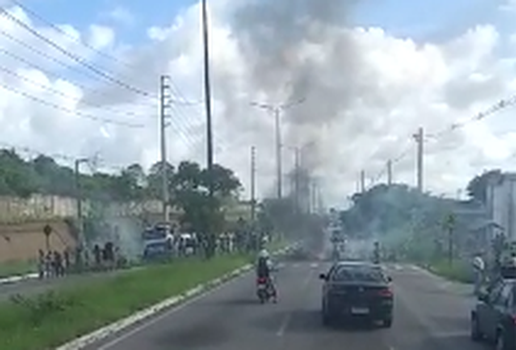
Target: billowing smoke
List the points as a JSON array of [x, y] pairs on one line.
[[296, 50]]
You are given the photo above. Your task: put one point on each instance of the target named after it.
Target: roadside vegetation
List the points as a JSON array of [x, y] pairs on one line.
[[50, 319], [458, 271], [14, 268], [439, 233]]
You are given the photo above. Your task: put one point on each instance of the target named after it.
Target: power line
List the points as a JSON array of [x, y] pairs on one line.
[[90, 67], [498, 106], [184, 132], [47, 22], [25, 61], [76, 58], [54, 91], [66, 110]]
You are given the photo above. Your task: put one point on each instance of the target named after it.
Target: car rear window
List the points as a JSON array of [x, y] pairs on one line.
[[358, 274]]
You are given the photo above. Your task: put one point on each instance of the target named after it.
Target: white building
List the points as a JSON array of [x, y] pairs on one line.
[[501, 203]]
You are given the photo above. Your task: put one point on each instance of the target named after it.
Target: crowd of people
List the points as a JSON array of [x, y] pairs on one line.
[[106, 256], [55, 263]]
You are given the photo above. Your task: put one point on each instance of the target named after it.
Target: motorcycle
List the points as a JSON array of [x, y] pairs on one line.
[[263, 290]]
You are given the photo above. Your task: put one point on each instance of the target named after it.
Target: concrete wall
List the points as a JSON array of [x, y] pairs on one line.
[[22, 221], [43, 207], [20, 242]]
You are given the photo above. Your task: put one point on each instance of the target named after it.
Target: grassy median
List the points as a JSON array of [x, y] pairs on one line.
[[13, 268], [457, 271], [51, 319]]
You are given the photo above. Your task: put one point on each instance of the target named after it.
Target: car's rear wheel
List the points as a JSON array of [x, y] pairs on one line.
[[326, 317], [476, 333], [500, 343], [387, 322]]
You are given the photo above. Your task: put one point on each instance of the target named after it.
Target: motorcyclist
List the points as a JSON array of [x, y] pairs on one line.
[[264, 268]]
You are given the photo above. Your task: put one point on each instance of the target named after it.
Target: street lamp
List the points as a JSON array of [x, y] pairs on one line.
[[276, 111], [78, 194]]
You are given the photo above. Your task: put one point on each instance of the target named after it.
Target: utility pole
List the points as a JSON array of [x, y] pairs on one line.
[[78, 193], [450, 227], [164, 104], [253, 183], [279, 162], [389, 172], [296, 176], [80, 219], [209, 127], [319, 201], [419, 137], [276, 110], [362, 181], [207, 93], [313, 197]]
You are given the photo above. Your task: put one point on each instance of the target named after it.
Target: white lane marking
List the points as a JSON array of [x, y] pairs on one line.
[[295, 265], [314, 265], [155, 319], [288, 317]]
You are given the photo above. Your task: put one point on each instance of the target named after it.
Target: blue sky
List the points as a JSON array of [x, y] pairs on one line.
[[422, 20]]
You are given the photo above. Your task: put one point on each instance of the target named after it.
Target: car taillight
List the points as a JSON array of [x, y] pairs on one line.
[[386, 292], [261, 280]]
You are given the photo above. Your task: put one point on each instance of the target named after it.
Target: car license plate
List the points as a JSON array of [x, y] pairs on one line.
[[359, 310], [261, 286]]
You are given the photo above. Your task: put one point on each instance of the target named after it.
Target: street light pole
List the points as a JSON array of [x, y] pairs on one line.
[[78, 194], [276, 111], [279, 170]]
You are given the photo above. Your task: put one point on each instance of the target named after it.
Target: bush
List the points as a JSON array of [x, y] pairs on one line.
[[51, 319]]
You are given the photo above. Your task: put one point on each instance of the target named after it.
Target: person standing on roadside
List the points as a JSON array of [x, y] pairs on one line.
[[41, 264], [479, 268]]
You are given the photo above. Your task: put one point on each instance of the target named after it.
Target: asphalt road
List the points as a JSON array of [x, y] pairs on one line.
[[429, 314]]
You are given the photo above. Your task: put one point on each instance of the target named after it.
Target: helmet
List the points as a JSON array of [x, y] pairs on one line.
[[264, 254]]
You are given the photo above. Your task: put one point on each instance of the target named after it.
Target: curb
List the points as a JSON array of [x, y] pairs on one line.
[[18, 278], [140, 316]]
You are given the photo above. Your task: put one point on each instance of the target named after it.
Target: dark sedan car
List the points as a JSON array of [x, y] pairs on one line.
[[357, 290], [494, 316]]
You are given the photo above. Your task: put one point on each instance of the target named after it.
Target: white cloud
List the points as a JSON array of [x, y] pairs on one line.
[[121, 15], [367, 93], [508, 6], [101, 37]]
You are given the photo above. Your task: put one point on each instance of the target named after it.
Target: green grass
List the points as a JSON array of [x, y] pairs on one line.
[[51, 319], [13, 268], [457, 271]]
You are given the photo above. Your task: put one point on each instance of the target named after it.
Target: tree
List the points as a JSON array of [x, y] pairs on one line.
[[155, 182], [188, 176], [225, 183], [191, 195], [188, 186], [20, 178]]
